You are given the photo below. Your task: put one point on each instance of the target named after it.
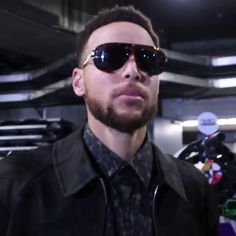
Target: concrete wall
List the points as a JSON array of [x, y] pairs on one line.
[[167, 136]]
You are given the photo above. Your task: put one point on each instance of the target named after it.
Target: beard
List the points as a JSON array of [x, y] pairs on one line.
[[125, 123]]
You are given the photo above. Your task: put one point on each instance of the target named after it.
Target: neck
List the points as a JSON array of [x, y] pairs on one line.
[[124, 145]]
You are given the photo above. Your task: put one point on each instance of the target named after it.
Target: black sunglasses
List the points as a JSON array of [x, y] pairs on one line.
[[112, 56]]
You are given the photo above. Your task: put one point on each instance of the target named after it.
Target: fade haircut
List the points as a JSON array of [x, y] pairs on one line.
[[107, 16]]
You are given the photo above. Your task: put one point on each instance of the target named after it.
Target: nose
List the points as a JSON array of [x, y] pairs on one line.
[[131, 71]]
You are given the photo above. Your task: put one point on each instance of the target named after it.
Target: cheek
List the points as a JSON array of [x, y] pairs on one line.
[[155, 89], [91, 81], [97, 87]]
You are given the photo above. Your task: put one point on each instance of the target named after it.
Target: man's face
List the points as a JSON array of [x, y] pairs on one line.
[[126, 98]]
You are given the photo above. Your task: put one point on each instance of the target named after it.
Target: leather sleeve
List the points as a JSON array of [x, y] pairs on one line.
[[212, 212]]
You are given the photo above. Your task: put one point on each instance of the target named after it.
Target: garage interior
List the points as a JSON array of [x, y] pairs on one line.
[[37, 55]]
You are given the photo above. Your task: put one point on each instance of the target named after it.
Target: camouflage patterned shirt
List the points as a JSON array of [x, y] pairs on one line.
[[131, 188]]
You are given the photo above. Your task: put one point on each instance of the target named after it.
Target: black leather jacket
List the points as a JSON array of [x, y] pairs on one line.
[[56, 190]]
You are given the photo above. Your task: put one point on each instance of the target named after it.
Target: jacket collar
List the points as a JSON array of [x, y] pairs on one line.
[[170, 173], [75, 170], [72, 163]]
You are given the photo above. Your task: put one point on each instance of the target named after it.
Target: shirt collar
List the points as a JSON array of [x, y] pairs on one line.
[[110, 163]]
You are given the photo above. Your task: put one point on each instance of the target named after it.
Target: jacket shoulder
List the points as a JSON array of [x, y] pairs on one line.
[[188, 170], [195, 182], [18, 169], [26, 163]]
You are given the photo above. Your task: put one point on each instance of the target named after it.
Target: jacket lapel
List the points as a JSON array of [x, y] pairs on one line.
[[170, 172]]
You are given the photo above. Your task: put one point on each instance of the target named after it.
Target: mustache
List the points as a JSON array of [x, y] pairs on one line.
[[132, 90]]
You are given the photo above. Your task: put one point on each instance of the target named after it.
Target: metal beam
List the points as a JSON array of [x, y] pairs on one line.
[[50, 89], [29, 96], [185, 80], [12, 78], [24, 77], [193, 59]]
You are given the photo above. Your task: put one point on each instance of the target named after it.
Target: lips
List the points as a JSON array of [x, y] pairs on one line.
[[134, 93]]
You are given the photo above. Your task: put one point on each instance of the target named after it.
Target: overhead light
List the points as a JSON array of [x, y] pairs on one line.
[[189, 123], [224, 82], [223, 61], [229, 121], [194, 123]]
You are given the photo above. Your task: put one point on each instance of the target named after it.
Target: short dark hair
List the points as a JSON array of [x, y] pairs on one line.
[[115, 14]]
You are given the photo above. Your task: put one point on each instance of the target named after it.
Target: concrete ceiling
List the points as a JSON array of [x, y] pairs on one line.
[[37, 45]]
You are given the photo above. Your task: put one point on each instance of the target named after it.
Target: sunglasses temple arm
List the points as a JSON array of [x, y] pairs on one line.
[[86, 60]]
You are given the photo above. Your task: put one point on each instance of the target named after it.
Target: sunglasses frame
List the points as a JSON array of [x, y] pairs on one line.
[[133, 48]]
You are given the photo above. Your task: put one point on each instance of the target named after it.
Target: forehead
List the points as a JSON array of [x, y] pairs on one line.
[[123, 32]]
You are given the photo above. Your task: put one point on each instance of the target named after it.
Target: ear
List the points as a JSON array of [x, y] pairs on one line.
[[78, 82]]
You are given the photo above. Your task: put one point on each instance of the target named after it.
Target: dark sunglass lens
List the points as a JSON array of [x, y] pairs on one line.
[[110, 57], [150, 60]]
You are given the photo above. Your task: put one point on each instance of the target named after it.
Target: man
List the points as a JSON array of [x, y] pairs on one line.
[[108, 178]]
